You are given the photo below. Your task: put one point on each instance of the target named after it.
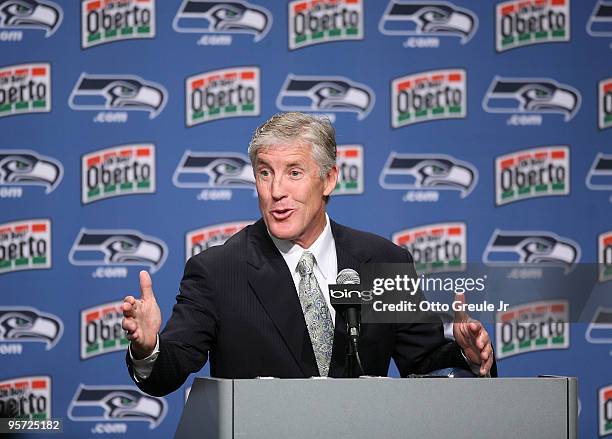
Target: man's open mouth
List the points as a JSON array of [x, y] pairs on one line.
[[281, 214]]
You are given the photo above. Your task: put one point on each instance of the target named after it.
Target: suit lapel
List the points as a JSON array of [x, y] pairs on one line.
[[271, 281]]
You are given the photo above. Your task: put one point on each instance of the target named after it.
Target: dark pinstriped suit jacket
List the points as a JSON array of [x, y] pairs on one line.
[[238, 307]]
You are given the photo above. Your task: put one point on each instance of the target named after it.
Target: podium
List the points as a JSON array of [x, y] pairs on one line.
[[373, 408]]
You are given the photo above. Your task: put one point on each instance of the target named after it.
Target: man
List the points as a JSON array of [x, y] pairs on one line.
[[258, 305]]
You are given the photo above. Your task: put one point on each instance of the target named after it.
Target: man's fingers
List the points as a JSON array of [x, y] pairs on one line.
[[460, 316], [475, 326], [129, 325], [483, 339], [133, 336], [467, 334], [487, 352], [146, 286], [486, 367], [128, 309]]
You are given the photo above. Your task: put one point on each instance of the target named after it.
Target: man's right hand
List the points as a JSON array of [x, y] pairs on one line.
[[142, 319]]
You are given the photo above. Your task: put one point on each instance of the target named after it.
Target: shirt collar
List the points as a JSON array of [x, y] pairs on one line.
[[322, 249]]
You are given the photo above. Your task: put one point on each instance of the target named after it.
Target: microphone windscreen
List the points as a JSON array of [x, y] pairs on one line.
[[348, 276]]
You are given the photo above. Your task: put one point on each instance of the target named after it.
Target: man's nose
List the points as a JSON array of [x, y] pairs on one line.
[[278, 187]]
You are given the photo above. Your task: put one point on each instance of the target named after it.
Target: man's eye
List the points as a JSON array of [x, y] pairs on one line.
[[295, 173], [264, 173]]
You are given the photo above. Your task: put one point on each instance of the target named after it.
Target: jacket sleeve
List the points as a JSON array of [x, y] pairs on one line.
[[420, 345], [189, 334]]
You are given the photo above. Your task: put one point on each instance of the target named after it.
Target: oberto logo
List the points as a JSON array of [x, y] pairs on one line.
[[26, 397], [530, 327], [435, 247], [531, 95], [605, 410], [428, 19], [425, 96], [25, 245], [222, 17], [324, 22], [116, 171], [25, 88], [220, 94], [325, 94], [604, 256], [532, 173], [198, 240], [109, 22], [350, 170], [101, 331], [30, 14], [117, 248], [604, 108], [519, 23]]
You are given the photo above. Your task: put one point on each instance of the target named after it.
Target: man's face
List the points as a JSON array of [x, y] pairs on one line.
[[291, 192]]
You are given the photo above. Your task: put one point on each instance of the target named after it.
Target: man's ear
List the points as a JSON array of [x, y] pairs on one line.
[[329, 183]]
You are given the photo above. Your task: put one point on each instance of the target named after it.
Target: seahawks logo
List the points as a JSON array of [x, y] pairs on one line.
[[599, 177], [26, 324], [600, 329], [520, 95], [27, 168], [537, 248], [30, 14], [428, 171], [117, 247], [233, 17], [424, 19], [116, 403], [217, 170], [600, 22], [325, 94], [117, 92]]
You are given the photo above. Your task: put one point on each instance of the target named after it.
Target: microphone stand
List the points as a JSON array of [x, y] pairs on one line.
[[351, 348], [354, 367]]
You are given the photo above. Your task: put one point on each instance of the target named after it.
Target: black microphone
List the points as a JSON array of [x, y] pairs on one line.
[[350, 311], [345, 297]]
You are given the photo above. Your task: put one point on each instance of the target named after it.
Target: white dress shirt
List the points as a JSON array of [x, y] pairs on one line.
[[326, 264]]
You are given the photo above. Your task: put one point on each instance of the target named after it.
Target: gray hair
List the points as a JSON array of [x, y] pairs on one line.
[[298, 127]]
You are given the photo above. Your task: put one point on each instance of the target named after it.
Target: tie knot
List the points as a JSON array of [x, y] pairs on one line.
[[306, 263]]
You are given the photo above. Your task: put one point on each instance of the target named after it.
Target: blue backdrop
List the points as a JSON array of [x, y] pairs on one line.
[[470, 132]]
